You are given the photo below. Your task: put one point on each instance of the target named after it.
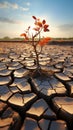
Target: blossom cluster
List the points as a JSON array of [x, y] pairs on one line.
[[40, 24], [39, 27]]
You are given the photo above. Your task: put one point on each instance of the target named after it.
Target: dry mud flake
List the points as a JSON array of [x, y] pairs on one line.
[[5, 80], [9, 119]]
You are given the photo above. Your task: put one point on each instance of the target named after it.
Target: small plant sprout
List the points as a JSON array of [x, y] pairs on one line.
[[39, 27]]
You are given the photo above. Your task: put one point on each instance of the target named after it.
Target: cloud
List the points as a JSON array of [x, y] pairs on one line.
[[7, 20], [66, 27], [7, 5], [24, 9], [28, 3]]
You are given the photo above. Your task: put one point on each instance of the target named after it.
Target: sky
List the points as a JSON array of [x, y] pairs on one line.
[[16, 16]]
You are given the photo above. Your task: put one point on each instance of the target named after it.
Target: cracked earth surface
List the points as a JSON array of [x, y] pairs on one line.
[[36, 102]]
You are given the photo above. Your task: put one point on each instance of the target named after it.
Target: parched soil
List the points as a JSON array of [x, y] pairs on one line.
[[36, 100], [21, 46], [17, 46]]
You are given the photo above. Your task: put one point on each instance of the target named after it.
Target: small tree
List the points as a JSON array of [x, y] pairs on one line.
[[40, 26]]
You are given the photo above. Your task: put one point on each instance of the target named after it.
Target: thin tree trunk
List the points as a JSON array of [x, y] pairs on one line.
[[37, 57]]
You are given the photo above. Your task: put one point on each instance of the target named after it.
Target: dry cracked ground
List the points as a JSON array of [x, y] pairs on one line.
[[31, 101]]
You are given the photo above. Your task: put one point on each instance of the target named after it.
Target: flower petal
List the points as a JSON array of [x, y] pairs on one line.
[[44, 41], [34, 17], [44, 21], [23, 34]]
